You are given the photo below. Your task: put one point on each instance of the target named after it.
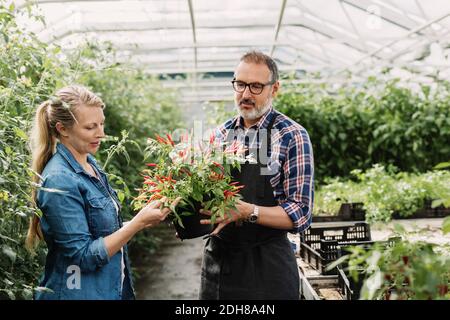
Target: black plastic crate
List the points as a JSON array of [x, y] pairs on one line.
[[331, 250], [350, 290], [313, 251], [311, 256], [359, 231]]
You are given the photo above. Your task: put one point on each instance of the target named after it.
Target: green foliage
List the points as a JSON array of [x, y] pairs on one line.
[[403, 271], [30, 73], [383, 192], [378, 122]]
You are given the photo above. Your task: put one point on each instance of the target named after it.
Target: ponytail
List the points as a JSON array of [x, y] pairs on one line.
[[43, 144]]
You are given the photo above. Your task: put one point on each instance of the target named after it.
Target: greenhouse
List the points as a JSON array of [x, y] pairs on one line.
[[146, 144]]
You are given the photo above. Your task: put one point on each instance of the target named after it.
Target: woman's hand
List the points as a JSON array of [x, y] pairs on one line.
[[244, 209], [151, 215]]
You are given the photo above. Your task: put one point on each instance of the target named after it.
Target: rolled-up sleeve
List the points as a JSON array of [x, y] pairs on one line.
[[298, 184], [63, 211]]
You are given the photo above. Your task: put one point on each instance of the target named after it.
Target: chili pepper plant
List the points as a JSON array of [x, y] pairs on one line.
[[197, 171]]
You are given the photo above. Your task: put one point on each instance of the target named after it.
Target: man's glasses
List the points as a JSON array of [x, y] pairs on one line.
[[255, 87]]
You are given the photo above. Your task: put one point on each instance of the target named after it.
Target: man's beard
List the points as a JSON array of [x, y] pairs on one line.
[[256, 112]]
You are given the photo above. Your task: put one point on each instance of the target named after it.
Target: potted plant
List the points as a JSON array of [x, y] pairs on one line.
[[199, 173]]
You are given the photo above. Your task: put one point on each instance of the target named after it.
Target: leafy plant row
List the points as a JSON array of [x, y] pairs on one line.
[[375, 122], [384, 192]]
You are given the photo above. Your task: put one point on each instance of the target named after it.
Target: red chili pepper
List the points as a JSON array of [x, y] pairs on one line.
[[154, 197], [170, 139], [161, 139], [218, 165], [185, 171], [229, 193], [232, 148], [151, 164]]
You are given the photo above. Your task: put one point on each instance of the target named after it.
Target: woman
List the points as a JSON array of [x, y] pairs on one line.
[[86, 238]]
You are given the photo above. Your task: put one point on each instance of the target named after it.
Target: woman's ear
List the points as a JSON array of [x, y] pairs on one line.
[[61, 129]]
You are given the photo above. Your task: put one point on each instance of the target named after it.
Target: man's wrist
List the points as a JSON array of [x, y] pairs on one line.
[[250, 210], [247, 212], [254, 215]]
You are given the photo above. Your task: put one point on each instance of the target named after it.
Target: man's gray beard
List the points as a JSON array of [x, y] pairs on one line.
[[255, 113]]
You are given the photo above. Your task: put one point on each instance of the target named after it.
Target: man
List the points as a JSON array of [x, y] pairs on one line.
[[248, 255]]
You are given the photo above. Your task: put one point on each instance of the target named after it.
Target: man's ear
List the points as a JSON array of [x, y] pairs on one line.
[[61, 129], [275, 88]]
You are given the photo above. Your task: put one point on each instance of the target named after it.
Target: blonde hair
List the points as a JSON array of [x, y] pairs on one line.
[[60, 108]]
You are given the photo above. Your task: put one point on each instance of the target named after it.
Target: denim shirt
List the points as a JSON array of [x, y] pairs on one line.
[[77, 213]]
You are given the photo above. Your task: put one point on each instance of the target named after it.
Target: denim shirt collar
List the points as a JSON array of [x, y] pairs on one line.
[[76, 166]]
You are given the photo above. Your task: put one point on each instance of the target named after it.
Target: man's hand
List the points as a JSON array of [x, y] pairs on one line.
[[244, 209]]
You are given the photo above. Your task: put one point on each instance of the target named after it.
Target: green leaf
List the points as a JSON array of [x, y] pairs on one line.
[[27, 294], [446, 225], [9, 252], [180, 222], [20, 214], [372, 284], [20, 133], [436, 203], [121, 196], [8, 238], [11, 294], [43, 289], [442, 165]]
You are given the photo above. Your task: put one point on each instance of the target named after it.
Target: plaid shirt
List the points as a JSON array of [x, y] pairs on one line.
[[292, 158]]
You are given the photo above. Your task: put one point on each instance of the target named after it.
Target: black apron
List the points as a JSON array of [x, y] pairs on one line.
[[250, 261]]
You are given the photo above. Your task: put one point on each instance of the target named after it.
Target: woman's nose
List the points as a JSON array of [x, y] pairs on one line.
[[101, 132]]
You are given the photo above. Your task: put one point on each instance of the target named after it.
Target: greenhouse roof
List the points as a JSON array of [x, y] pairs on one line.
[[202, 40]]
